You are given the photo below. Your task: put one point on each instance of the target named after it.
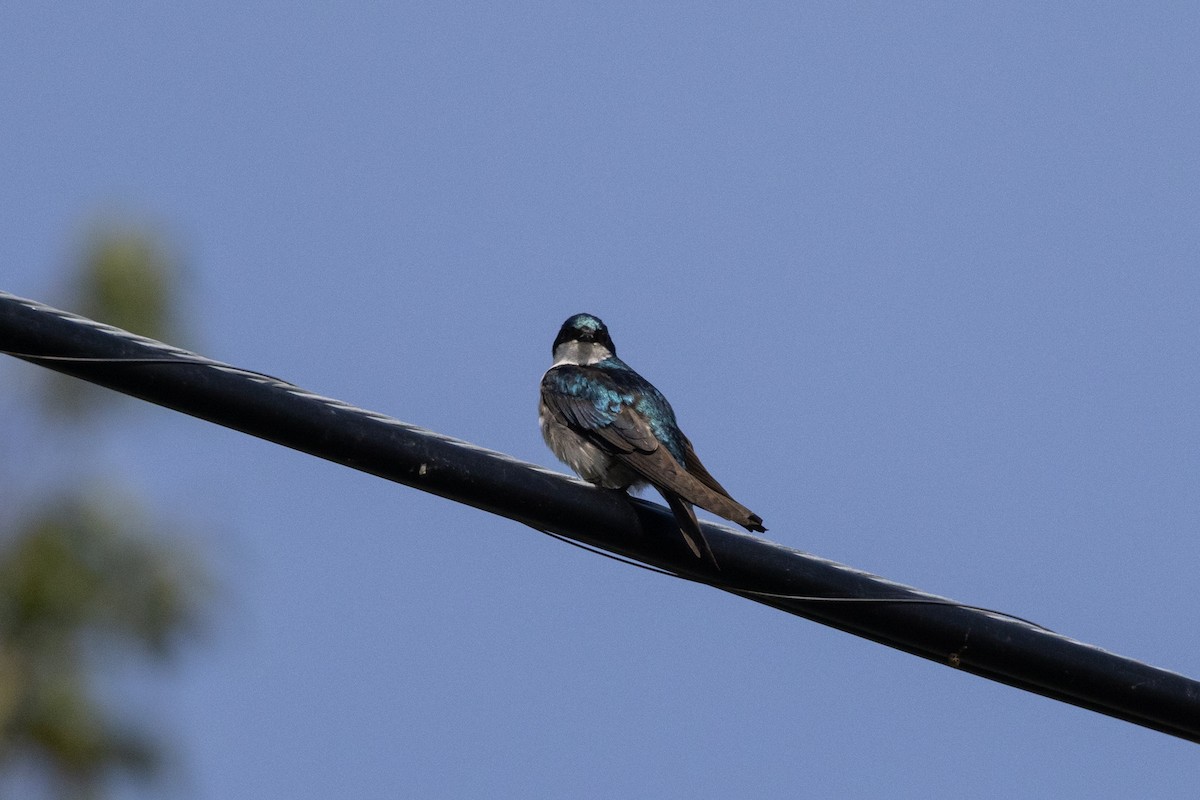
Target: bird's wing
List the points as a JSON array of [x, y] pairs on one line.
[[742, 515], [592, 404], [692, 462], [595, 407]]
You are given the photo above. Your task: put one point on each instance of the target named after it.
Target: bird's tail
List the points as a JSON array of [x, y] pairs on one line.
[[689, 527]]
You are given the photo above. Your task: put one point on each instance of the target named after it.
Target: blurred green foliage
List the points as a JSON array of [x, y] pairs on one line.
[[128, 279], [83, 576]]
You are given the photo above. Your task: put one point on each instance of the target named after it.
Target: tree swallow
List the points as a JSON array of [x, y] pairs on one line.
[[616, 430]]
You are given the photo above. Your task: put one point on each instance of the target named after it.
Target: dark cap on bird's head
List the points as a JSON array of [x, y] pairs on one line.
[[584, 328]]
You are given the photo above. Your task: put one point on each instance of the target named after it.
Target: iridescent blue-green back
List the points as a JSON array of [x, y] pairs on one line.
[[622, 386]]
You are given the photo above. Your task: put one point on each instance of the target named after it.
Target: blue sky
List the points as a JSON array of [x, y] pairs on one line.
[[920, 280]]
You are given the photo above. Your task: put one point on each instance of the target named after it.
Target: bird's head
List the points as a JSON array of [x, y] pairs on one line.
[[583, 339]]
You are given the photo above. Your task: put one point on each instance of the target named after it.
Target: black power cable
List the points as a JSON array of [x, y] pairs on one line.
[[990, 644]]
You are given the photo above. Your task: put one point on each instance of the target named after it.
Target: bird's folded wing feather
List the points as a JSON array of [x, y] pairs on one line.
[[599, 411]]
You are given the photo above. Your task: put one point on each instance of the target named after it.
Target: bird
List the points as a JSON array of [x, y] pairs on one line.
[[617, 431]]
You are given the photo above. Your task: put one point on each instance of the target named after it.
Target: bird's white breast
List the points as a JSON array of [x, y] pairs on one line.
[[579, 354]]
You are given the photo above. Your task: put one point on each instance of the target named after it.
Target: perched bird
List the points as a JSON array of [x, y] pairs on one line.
[[616, 430]]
